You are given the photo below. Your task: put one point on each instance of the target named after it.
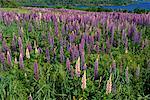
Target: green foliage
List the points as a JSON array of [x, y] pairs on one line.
[[9, 3]]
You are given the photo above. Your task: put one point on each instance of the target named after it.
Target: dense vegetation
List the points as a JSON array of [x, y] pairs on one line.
[[64, 54], [66, 2]]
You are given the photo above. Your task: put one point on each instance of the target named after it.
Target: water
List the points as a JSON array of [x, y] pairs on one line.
[[130, 7]]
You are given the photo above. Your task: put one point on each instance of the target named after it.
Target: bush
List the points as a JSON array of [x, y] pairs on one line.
[[8, 3]]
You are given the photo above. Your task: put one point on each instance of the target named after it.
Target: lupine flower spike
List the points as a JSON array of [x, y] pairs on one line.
[[30, 97], [36, 72], [27, 53], [96, 69], [21, 61], [8, 58], [109, 85], [68, 65], [127, 75], [16, 62], [84, 80], [78, 67]]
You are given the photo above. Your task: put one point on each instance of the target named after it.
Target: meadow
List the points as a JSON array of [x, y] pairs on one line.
[[62, 54]]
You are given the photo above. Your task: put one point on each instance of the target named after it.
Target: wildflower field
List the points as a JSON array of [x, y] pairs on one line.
[[61, 54]]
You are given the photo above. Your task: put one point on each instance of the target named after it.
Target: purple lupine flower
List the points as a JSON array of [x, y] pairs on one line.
[[98, 35], [121, 67], [30, 28], [107, 45], [112, 35], [97, 47], [96, 69], [40, 50], [1, 37], [136, 37], [123, 37], [4, 46], [21, 64], [103, 49], [20, 45], [36, 71], [13, 45], [68, 65], [62, 57], [9, 58], [131, 31], [127, 75], [54, 53], [84, 67], [29, 46], [2, 58], [47, 55], [82, 58]]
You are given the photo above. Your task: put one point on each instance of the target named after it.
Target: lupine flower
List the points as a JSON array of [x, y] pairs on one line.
[[8, 58], [107, 45], [114, 65], [16, 62], [29, 46], [30, 97], [21, 64], [62, 58], [98, 35], [96, 69], [47, 55], [40, 50], [126, 46], [13, 45], [36, 71], [84, 67], [72, 73], [109, 85], [35, 46], [136, 37], [68, 64], [112, 35], [27, 53], [20, 46], [30, 28], [84, 80], [127, 75], [20, 42], [77, 66], [4, 46], [2, 58], [82, 58], [138, 71], [1, 36]]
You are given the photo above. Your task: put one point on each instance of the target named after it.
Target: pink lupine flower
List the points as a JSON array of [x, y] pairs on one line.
[[68, 64], [9, 58], [84, 81], [21, 64], [109, 85], [96, 69], [77, 66]]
